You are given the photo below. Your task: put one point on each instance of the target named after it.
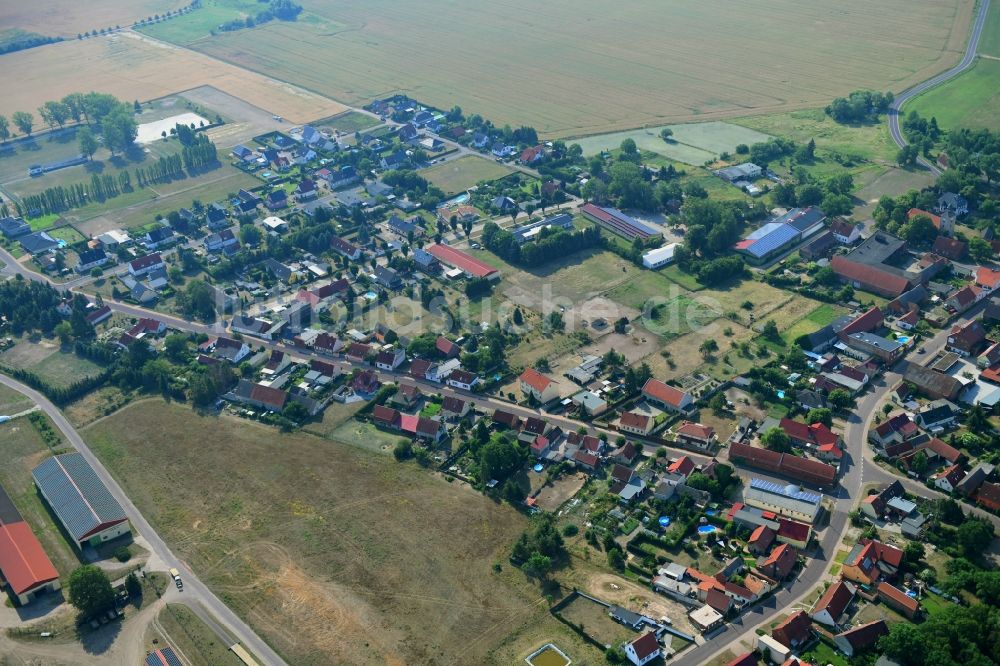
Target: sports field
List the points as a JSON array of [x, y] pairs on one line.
[[335, 554], [569, 67], [132, 67], [691, 143], [455, 176], [66, 18], [971, 99]]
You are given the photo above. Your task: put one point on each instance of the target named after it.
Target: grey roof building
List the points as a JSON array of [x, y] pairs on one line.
[[81, 502]]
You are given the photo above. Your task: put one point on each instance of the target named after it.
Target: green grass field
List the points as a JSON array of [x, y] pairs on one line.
[[352, 121], [655, 63], [866, 142], [989, 40], [200, 23], [454, 176], [60, 368], [971, 99], [11, 401], [68, 234], [409, 579], [812, 322], [692, 143]]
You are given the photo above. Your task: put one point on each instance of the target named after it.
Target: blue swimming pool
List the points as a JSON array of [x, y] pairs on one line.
[[710, 512], [538, 467], [902, 339], [707, 529], [664, 521], [781, 394], [371, 295]]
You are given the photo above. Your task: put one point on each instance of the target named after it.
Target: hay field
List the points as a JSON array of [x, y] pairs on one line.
[[333, 553], [571, 67], [692, 143], [66, 18], [133, 67], [454, 176]]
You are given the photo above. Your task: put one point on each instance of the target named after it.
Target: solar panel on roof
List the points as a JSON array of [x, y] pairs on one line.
[[170, 656], [790, 490], [76, 494], [774, 240]]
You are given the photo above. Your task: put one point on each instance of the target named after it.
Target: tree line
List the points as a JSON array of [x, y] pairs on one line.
[[551, 244], [861, 106], [28, 41], [282, 10]]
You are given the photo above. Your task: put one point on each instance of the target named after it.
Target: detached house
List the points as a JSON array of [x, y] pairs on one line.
[[143, 265], [538, 386], [833, 603], [636, 424], [871, 561], [390, 359], [666, 396], [696, 435]]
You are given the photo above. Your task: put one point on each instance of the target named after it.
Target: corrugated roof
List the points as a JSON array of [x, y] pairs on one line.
[[73, 490], [23, 562], [791, 490], [771, 237], [8, 512]]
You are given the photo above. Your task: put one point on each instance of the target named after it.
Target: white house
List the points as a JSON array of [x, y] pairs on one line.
[[463, 379], [538, 386], [142, 265], [390, 359], [643, 649]]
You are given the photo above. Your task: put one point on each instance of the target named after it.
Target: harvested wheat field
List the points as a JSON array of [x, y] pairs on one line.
[[571, 67], [334, 554], [67, 18], [131, 66]]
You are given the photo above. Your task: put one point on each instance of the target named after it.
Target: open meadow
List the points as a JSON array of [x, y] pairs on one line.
[[972, 99], [45, 358], [571, 70], [691, 143], [454, 176], [334, 554], [130, 66], [66, 18]]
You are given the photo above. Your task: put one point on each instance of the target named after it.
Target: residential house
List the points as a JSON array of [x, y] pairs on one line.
[[636, 424], [446, 347], [91, 259], [831, 606], [506, 419], [696, 435], [932, 383], [143, 265], [988, 496], [159, 237], [938, 415], [795, 631], [861, 637], [591, 403], [454, 408], [227, 349], [224, 241], [780, 562], [894, 430], [947, 480], [14, 227], [358, 352], [642, 650], [538, 386], [38, 243], [974, 479], [953, 204], [390, 359], [870, 561], [365, 382], [463, 379], [531, 155], [305, 190], [845, 232], [950, 248], [345, 248], [276, 199], [388, 278], [761, 539], [626, 454], [963, 299], [666, 396], [967, 339]]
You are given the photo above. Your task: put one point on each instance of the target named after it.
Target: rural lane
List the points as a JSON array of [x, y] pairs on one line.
[[194, 589], [967, 60]]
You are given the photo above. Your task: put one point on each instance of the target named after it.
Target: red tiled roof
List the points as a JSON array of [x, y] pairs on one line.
[[897, 596], [682, 465], [816, 434], [864, 635], [835, 600], [657, 390], [987, 277], [718, 600], [945, 450], [23, 561], [446, 346], [586, 458], [535, 379], [748, 659], [842, 227], [762, 537], [792, 529], [271, 397], [865, 323], [989, 495], [645, 645], [781, 560], [633, 420], [453, 404], [146, 262], [794, 630], [868, 275], [459, 259], [506, 418], [696, 431], [385, 415], [949, 247], [913, 212]]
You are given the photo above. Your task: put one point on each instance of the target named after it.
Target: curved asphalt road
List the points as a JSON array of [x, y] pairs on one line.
[[967, 60], [195, 592]]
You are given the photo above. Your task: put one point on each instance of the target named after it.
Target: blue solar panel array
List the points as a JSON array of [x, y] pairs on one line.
[[773, 240], [645, 228], [169, 657], [74, 492], [790, 490]]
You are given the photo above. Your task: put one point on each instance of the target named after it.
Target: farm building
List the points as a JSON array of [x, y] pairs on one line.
[[745, 171], [23, 562], [768, 241], [872, 266], [530, 231], [784, 500], [80, 500], [659, 257], [468, 264], [619, 222]]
